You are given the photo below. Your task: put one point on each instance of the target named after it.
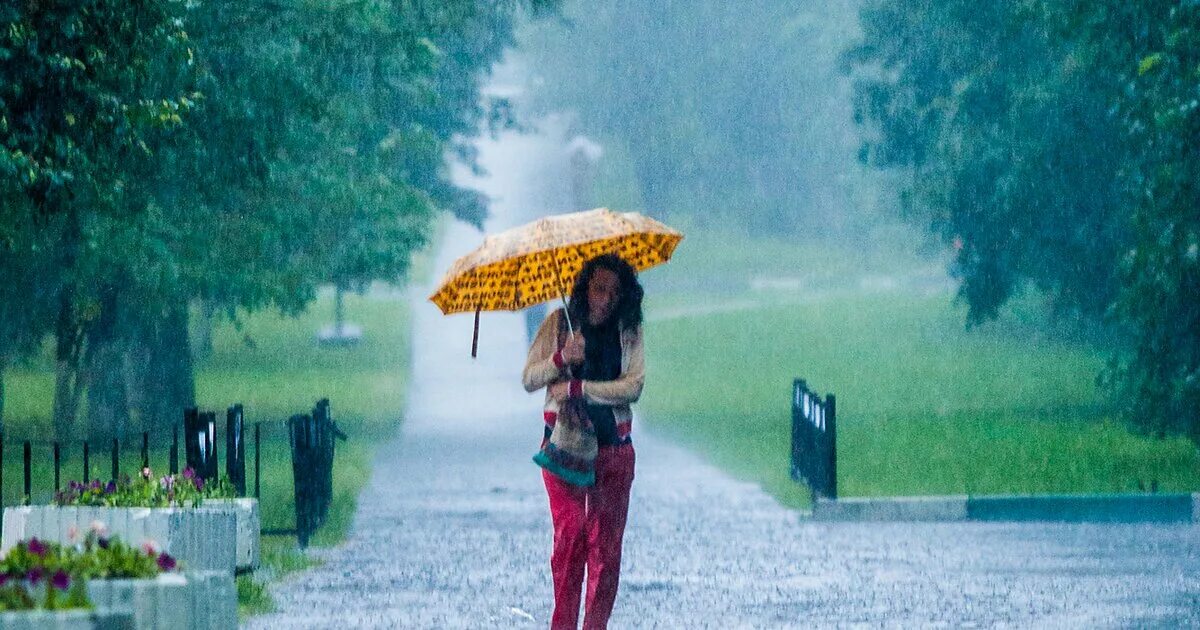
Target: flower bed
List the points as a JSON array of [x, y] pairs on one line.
[[164, 510], [44, 584], [202, 539], [181, 490]]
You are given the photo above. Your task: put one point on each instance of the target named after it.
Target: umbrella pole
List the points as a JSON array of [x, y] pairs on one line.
[[475, 337], [562, 294], [567, 312]]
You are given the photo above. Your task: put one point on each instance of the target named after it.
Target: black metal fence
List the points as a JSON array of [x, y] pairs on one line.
[[312, 438], [814, 440], [311, 444]]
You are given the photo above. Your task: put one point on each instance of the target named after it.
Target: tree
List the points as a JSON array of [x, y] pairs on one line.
[[236, 154], [1159, 305], [985, 108], [85, 89], [1054, 143]]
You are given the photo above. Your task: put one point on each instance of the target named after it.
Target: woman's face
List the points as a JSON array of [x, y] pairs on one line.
[[603, 291]]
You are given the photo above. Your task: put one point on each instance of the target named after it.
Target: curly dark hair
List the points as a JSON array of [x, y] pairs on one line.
[[629, 305]]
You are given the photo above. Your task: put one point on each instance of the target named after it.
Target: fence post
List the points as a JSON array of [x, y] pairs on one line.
[[1, 475], [324, 452], [298, 429], [797, 417], [257, 467], [28, 472], [318, 461], [57, 461], [819, 450], [87, 469], [235, 449], [173, 457], [145, 449], [116, 460], [191, 439], [210, 424], [330, 445], [316, 474], [831, 445]]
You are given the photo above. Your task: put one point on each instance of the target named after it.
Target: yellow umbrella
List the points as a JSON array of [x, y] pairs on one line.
[[538, 262]]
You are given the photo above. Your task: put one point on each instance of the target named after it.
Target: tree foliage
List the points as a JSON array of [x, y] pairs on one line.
[[164, 152], [1052, 142], [1160, 271]]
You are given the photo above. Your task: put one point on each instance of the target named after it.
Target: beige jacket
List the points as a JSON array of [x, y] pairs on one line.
[[545, 365]]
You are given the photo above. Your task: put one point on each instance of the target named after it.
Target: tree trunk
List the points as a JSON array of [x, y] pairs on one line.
[[180, 374], [2, 368], [339, 311], [67, 352], [108, 400], [169, 375], [205, 329]]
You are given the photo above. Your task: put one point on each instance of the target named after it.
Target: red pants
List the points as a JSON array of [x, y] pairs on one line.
[[589, 524]]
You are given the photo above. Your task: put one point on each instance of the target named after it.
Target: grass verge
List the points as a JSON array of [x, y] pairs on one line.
[[924, 406]]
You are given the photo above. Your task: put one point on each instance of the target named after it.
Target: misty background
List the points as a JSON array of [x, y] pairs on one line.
[[975, 224]]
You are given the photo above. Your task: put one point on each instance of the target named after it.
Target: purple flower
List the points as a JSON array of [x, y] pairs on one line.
[[103, 542], [35, 575], [36, 547], [188, 473], [110, 488], [199, 483], [60, 580], [95, 484], [166, 562], [4, 578]]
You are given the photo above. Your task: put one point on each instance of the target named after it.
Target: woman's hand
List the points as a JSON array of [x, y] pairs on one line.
[[560, 391], [572, 352]]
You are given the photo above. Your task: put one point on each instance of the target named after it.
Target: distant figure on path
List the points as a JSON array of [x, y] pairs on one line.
[[596, 372]]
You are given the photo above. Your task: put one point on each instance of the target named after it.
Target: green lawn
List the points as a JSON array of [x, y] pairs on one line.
[[272, 365], [924, 406]]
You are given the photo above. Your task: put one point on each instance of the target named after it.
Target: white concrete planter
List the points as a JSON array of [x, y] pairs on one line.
[[249, 528], [66, 620], [213, 600], [201, 539], [154, 603], [202, 600]]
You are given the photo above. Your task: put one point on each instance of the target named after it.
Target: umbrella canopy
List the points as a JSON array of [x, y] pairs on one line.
[[539, 261]]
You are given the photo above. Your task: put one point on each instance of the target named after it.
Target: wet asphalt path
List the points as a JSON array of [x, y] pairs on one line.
[[453, 529]]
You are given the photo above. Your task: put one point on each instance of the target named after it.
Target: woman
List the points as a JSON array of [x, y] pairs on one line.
[[599, 368]]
